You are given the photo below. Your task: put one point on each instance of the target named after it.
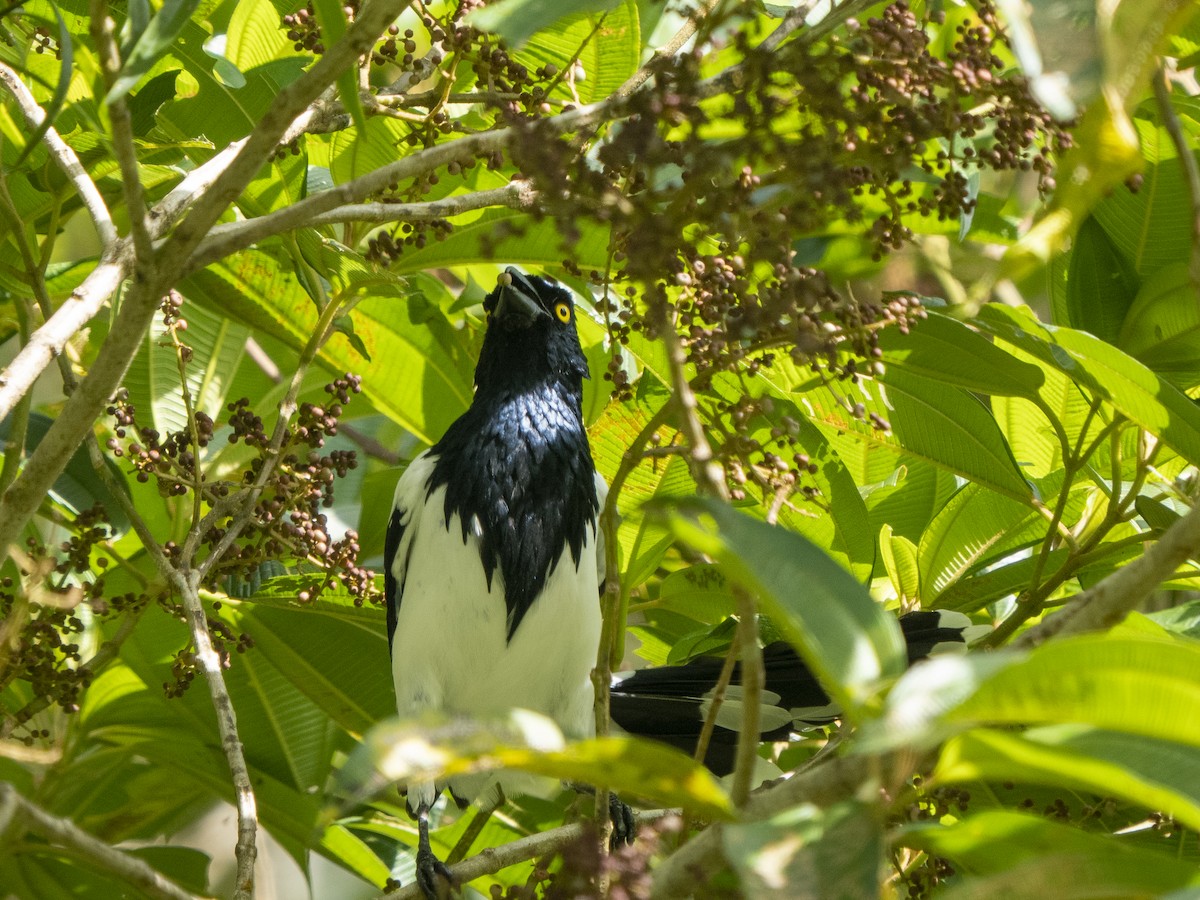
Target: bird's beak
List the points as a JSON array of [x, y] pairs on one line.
[[518, 299]]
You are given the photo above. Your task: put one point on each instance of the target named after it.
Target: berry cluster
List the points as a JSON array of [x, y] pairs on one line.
[[304, 31], [826, 132], [386, 246], [185, 667], [44, 42], [395, 49], [627, 868], [170, 459], [286, 525], [48, 615]]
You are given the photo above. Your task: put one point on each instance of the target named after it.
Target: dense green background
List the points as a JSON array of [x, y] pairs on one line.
[[1038, 442]]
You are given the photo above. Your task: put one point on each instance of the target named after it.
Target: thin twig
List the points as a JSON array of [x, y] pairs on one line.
[[188, 585], [718, 699], [710, 476], [753, 680], [17, 810], [63, 155], [611, 597], [667, 50], [705, 469], [122, 127]]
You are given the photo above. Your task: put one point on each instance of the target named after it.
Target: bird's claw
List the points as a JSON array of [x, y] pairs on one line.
[[429, 868], [624, 826]]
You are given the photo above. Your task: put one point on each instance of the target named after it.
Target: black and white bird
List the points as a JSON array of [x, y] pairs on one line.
[[493, 554], [671, 703], [494, 565]]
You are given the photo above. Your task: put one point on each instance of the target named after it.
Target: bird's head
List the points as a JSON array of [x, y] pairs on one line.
[[531, 336]]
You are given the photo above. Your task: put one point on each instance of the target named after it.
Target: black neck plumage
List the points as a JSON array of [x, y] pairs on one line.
[[518, 464]]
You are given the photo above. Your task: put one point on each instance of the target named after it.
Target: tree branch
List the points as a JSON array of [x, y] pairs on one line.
[[1106, 603], [188, 585], [226, 239], [63, 833], [63, 155], [493, 859], [292, 102]]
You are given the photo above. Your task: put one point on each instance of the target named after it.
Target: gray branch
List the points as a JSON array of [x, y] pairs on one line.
[[226, 239], [535, 846], [63, 155], [16, 810], [1108, 602]]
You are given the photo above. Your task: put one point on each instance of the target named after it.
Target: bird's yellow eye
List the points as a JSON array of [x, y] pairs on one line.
[[563, 311]]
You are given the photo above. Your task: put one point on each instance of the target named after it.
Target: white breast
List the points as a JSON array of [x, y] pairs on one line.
[[449, 651]]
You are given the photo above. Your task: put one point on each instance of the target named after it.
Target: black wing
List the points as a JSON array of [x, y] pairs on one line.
[[391, 587], [668, 703]]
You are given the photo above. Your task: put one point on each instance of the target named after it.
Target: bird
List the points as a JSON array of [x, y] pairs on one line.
[[671, 703], [493, 559]]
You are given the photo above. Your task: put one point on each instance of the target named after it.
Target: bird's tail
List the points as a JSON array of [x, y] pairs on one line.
[[671, 703]]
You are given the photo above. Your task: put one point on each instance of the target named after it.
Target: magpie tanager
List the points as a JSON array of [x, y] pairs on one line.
[[493, 555], [671, 703]]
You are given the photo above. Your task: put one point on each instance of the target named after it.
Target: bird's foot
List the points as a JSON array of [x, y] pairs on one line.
[[624, 826], [433, 876]]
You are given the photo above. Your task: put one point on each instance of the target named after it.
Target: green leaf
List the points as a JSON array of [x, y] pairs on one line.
[[510, 235], [978, 589], [848, 639], [1182, 619], [808, 853], [1150, 228], [254, 36], [643, 540], [1100, 285], [1159, 775], [1030, 428], [158, 37], [975, 526], [1141, 685], [946, 350], [295, 637], [1163, 326], [516, 20], [420, 368], [1026, 856], [836, 519], [1139, 394], [951, 428], [438, 748], [354, 152], [900, 559], [606, 45], [700, 592]]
